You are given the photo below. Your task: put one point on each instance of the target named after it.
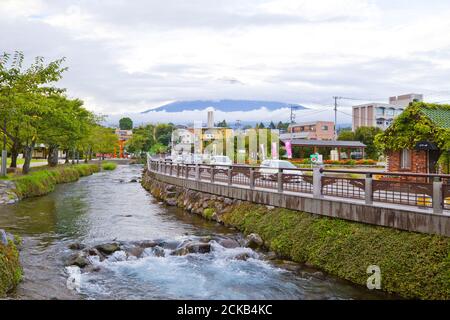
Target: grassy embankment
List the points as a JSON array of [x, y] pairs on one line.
[[43, 181], [10, 270], [412, 265]]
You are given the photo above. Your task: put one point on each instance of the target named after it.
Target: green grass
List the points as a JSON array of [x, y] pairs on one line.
[[43, 181], [10, 270], [22, 161], [412, 265], [109, 166]]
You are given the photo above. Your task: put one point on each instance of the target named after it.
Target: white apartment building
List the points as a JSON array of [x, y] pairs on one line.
[[381, 115]]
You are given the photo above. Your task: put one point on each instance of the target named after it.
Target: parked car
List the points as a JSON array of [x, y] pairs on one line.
[[178, 159], [221, 161], [357, 155], [197, 159], [269, 168]]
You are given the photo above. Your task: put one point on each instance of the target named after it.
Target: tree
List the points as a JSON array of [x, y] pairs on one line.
[[25, 100], [102, 140], [272, 125], [136, 144], [367, 136], [222, 124], [163, 133], [126, 124], [282, 126], [158, 148], [346, 135], [69, 127]]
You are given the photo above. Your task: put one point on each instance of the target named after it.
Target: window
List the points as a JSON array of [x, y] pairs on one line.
[[325, 128], [405, 159], [390, 112], [380, 112]]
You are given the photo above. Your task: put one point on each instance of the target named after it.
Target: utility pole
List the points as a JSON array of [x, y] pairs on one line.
[[292, 118], [335, 116], [292, 107]]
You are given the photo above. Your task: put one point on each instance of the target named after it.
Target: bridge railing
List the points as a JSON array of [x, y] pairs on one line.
[[407, 189]]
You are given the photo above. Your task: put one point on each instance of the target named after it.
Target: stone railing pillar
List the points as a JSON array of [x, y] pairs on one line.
[[368, 189], [212, 174], [317, 182], [178, 169], [280, 180], [230, 176], [438, 205], [252, 178], [197, 172]]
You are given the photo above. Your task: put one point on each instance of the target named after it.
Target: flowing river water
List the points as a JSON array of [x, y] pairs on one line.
[[109, 207]]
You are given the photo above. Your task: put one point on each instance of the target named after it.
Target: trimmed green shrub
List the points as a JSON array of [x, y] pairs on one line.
[[109, 166]]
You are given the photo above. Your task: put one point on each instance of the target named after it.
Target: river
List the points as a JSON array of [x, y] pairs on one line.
[[107, 206]]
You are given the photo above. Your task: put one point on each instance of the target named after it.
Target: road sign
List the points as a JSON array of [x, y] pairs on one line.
[[316, 158]]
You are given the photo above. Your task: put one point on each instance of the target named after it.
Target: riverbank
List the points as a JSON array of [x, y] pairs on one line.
[[412, 265], [42, 181], [10, 269]]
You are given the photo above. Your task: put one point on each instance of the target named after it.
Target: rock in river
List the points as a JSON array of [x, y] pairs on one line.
[[192, 247], [108, 248], [78, 259], [228, 243], [3, 237], [76, 246], [171, 202], [254, 241]]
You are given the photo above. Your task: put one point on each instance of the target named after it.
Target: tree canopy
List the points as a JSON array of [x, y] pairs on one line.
[[33, 110], [126, 124]]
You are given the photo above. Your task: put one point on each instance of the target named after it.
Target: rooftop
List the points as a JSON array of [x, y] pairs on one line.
[[440, 116]]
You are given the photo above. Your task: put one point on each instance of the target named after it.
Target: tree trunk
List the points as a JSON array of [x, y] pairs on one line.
[[28, 153], [67, 156], [52, 156], [15, 148]]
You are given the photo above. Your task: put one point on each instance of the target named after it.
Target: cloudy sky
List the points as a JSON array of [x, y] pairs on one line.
[[127, 56]]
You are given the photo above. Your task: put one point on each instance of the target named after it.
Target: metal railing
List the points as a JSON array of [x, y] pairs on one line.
[[406, 189]]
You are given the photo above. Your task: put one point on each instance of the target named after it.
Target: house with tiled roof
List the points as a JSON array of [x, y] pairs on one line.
[[418, 140]]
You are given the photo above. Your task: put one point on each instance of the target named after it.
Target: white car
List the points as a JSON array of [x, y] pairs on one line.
[[269, 168], [197, 159], [178, 159], [221, 161]]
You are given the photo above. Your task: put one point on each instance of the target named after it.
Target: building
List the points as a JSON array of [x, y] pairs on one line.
[[381, 115], [418, 149], [318, 130]]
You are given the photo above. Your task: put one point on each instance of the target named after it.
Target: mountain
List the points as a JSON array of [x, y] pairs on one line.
[[223, 105]]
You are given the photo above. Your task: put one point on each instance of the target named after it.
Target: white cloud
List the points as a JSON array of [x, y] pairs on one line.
[[129, 58]]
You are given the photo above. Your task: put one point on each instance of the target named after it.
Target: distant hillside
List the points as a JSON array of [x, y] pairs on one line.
[[223, 105]]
